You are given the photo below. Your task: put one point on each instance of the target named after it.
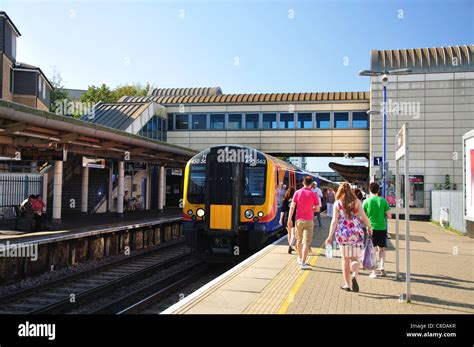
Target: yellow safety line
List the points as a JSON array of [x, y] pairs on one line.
[[296, 287]]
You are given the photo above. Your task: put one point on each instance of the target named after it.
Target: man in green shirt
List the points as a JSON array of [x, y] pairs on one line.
[[377, 209]]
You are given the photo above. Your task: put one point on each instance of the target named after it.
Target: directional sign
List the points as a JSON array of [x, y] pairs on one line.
[[401, 143], [377, 161]]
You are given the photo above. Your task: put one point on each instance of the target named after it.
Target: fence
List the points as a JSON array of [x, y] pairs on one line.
[[448, 202], [14, 188]]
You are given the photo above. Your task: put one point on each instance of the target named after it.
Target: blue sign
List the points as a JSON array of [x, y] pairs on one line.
[[377, 161]]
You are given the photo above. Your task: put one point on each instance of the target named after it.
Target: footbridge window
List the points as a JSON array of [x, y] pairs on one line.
[[360, 120], [270, 121], [341, 120], [287, 120], [323, 120]]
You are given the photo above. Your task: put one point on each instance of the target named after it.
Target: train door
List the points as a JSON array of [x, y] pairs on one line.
[[223, 198]]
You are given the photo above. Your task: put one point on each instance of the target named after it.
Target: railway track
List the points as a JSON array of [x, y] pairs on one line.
[[140, 299], [66, 294]]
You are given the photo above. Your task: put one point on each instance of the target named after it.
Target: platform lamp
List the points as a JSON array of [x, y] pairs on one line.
[[384, 74]]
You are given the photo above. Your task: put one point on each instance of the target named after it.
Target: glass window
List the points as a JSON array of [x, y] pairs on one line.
[[217, 121], [360, 120], [269, 121], [341, 120], [170, 122], [287, 120], [235, 121], [254, 185], [197, 181], [199, 121], [305, 120], [323, 120], [182, 122], [251, 121]]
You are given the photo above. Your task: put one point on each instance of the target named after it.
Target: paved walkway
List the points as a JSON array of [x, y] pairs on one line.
[[442, 268], [442, 278]]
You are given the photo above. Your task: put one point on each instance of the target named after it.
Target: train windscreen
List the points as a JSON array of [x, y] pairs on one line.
[[254, 185], [196, 185]]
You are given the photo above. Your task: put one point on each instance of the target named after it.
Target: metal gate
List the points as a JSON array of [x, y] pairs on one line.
[[14, 188]]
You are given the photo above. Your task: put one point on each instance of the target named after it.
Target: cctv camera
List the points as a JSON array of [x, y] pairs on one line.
[[384, 78]]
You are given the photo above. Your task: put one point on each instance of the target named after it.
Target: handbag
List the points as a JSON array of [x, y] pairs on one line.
[[369, 260]]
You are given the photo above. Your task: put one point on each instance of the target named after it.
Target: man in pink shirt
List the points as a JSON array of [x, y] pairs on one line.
[[306, 203]]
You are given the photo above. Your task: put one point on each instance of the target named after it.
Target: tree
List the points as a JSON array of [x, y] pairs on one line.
[[58, 94], [105, 94], [98, 94], [447, 185], [131, 90]]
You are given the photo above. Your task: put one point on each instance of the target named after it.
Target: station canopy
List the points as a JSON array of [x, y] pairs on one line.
[[27, 130], [355, 174]]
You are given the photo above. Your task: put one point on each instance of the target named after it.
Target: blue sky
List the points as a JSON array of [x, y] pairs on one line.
[[241, 46]]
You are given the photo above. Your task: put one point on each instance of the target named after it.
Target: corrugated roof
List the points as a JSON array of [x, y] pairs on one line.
[[436, 59], [185, 91], [249, 98], [118, 115]]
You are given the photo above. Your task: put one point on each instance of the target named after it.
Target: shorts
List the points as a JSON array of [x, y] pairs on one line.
[[379, 238], [304, 231]]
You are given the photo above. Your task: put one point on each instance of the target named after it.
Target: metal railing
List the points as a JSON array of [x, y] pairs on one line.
[[16, 187]]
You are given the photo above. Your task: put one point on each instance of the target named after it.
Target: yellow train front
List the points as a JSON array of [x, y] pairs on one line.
[[232, 200]]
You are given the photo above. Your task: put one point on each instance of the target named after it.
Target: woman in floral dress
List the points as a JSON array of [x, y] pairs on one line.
[[347, 213]]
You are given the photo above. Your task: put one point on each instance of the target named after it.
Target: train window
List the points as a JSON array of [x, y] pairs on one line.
[[254, 185], [197, 181]]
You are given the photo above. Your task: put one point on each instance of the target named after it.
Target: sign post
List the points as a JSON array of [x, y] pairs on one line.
[[402, 151]]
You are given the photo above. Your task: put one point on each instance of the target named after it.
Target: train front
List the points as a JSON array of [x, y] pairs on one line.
[[229, 209]]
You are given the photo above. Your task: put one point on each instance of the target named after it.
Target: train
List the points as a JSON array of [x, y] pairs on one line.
[[232, 200]]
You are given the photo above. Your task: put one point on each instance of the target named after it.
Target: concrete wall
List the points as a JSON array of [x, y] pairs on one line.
[[451, 200], [446, 112]]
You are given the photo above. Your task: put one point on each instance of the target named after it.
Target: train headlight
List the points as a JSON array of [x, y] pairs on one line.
[[260, 214], [249, 214], [200, 213], [190, 212]]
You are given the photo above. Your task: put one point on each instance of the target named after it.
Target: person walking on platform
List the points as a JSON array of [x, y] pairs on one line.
[[377, 209], [285, 210], [347, 213], [330, 198], [315, 189], [305, 202]]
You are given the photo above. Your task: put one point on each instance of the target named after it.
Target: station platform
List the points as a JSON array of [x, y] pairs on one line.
[[84, 238], [270, 282], [83, 225]]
